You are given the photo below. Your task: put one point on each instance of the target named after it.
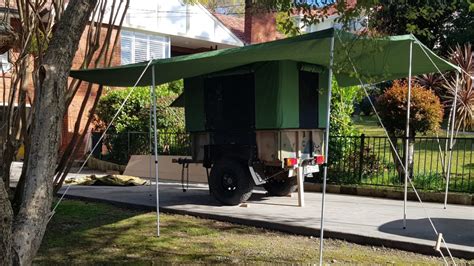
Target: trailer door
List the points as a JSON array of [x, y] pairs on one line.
[[308, 99], [230, 108]]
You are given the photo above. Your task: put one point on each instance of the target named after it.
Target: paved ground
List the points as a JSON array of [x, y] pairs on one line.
[[362, 220], [358, 219]]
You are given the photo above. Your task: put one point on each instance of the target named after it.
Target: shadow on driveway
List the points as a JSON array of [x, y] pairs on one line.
[[455, 231]]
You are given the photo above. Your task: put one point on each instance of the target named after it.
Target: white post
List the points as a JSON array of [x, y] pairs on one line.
[[326, 150], [300, 183], [299, 171], [448, 169], [155, 149], [407, 140], [300, 186]]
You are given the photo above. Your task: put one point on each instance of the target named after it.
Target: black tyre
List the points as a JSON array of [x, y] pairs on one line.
[[230, 182], [281, 186]]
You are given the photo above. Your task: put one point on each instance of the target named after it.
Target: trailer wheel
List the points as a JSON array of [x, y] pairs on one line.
[[230, 183], [281, 187]]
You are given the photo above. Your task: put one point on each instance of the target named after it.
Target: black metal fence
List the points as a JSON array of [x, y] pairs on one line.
[[369, 160], [366, 160]]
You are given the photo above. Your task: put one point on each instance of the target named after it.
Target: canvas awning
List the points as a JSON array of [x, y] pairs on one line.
[[375, 60]]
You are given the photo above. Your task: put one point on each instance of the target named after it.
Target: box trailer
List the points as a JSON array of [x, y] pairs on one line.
[[254, 125]]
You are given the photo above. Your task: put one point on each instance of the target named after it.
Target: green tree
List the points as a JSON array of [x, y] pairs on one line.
[[231, 7], [426, 114], [437, 24], [23, 220]]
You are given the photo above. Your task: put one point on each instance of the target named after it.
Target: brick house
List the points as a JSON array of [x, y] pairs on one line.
[[159, 29], [155, 29]]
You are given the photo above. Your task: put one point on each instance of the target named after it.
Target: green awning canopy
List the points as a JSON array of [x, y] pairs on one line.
[[375, 60]]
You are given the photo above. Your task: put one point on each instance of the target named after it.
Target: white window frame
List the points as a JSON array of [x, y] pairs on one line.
[[148, 37], [5, 62]]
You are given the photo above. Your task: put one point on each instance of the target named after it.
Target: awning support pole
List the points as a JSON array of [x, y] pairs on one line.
[[155, 149], [453, 124], [150, 141], [326, 150], [407, 141]]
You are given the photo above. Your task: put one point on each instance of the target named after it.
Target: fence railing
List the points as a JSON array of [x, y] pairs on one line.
[[369, 160], [366, 160]]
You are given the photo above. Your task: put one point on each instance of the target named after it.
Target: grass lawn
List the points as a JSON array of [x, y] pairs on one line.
[[93, 233], [428, 167], [369, 125]]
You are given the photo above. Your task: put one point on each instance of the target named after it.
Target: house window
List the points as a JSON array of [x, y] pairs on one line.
[[138, 47], [5, 64]]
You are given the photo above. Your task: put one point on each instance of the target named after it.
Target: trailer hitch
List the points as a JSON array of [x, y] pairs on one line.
[[256, 176]]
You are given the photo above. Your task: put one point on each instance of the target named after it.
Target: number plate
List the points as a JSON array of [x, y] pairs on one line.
[[311, 169]]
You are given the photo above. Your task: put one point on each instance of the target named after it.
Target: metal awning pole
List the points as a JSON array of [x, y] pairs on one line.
[[155, 149], [448, 169], [150, 141], [326, 150], [407, 140]]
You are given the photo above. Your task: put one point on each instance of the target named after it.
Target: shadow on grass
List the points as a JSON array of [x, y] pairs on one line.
[[469, 166], [85, 233], [67, 235]]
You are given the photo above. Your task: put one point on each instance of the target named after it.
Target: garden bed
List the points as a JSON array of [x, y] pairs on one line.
[[392, 193]]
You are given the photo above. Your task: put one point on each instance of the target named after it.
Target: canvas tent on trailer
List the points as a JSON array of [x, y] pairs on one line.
[[250, 125], [354, 60]]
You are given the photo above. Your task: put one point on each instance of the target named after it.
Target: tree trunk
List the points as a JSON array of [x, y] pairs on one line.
[[6, 218], [50, 105], [398, 165]]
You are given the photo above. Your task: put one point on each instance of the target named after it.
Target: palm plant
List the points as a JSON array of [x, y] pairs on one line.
[[433, 81], [464, 58]]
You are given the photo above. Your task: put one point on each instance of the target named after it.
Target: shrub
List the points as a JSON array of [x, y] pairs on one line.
[[426, 111], [371, 164], [342, 107], [426, 114], [135, 117]]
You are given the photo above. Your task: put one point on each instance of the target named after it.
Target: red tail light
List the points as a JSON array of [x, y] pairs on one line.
[[319, 159], [290, 162]]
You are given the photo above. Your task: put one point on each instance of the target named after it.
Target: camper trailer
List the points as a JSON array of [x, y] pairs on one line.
[[254, 125], [259, 112]]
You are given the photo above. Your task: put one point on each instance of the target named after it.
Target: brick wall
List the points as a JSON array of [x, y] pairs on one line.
[[5, 79], [71, 116], [260, 25]]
